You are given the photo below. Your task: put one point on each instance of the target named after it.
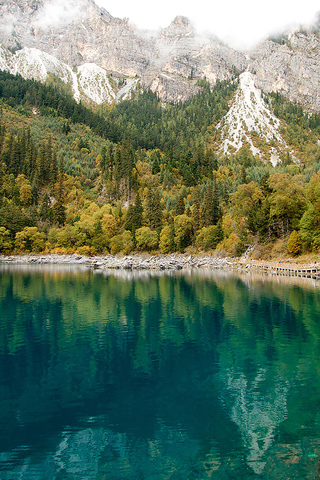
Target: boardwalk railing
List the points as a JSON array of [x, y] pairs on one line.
[[309, 272]]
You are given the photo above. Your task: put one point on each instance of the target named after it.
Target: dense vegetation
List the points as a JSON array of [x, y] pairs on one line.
[[142, 176]]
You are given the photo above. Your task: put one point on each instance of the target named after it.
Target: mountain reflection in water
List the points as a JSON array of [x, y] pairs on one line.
[[147, 375]]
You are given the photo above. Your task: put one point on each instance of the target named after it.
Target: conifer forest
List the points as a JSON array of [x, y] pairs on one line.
[[141, 176]]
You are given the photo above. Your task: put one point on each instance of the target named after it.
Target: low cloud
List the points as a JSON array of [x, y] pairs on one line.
[[59, 13], [8, 24]]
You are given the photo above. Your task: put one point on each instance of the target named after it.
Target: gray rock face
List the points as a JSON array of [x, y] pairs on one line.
[[78, 32], [169, 61], [292, 69]]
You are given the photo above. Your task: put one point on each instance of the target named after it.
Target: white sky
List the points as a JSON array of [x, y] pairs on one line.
[[240, 23]]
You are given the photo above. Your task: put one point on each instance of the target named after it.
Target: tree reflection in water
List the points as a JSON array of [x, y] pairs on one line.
[[139, 375]]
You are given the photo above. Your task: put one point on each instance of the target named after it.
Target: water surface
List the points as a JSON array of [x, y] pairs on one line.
[[137, 376]]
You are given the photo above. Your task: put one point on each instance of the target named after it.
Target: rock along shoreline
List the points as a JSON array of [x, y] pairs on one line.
[[167, 262], [126, 262]]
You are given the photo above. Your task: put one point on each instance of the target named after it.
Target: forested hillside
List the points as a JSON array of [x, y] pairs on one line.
[[143, 176]]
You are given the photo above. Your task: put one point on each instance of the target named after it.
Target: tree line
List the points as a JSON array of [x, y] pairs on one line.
[[155, 183]]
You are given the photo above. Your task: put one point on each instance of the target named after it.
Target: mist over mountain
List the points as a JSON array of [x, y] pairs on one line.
[[102, 59], [169, 61]]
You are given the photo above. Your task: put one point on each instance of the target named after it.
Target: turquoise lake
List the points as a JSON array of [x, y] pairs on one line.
[[191, 375]]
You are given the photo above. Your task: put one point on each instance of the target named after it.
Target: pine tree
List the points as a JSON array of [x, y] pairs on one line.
[[127, 162], [155, 159], [2, 137], [216, 204], [196, 211], [211, 212], [179, 207], [138, 212], [53, 168], [154, 211], [14, 157], [59, 208], [117, 163], [42, 166], [134, 216], [30, 158]]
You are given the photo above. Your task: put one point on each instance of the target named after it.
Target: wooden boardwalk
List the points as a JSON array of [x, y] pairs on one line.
[[291, 271]]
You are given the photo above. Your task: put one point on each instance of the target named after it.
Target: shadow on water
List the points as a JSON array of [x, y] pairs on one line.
[[148, 375]]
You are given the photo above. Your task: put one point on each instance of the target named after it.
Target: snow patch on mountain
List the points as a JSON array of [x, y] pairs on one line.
[[247, 118]]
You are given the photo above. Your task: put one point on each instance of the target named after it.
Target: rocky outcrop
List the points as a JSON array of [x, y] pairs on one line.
[[169, 62], [79, 32], [291, 68], [182, 52], [130, 262], [87, 82]]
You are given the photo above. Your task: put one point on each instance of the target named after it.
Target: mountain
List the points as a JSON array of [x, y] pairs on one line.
[[291, 67], [88, 82], [250, 121], [76, 33], [102, 58]]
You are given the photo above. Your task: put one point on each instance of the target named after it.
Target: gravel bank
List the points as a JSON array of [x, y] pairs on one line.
[[171, 262], [129, 262]]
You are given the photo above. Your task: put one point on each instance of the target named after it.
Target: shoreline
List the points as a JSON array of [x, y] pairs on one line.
[[168, 262], [174, 261]]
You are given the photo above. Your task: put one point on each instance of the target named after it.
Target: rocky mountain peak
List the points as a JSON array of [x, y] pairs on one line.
[[179, 27], [290, 66], [78, 32]]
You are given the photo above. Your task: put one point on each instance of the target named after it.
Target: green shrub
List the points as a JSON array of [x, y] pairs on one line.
[[121, 243], [30, 240], [146, 239], [209, 237]]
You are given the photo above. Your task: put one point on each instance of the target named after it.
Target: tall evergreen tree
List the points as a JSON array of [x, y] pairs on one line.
[[196, 211], [211, 211], [179, 206], [155, 159], [59, 207], [134, 216], [138, 212], [127, 162], [154, 210]]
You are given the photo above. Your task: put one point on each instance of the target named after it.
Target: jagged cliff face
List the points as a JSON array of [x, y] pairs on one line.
[[76, 32], [88, 82], [292, 68], [91, 51], [183, 57], [79, 32]]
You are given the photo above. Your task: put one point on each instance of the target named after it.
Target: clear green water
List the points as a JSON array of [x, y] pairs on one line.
[[195, 376]]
